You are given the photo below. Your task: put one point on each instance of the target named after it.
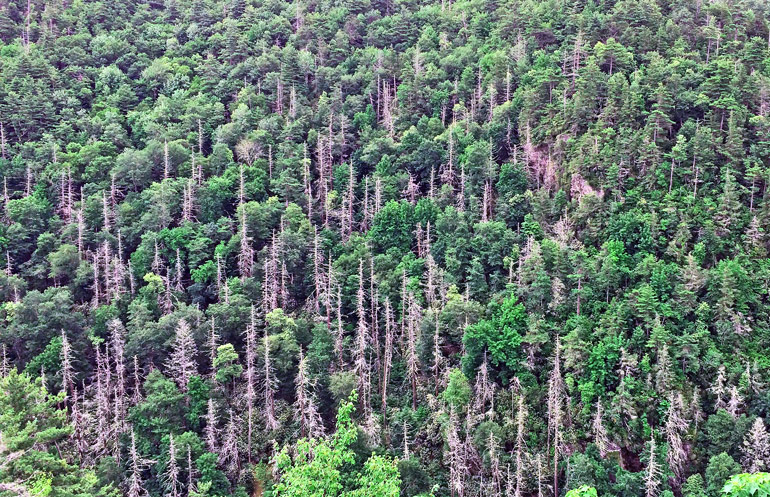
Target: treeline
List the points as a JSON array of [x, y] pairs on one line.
[[530, 235]]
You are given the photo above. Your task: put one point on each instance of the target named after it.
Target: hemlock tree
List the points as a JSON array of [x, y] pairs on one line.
[[35, 448], [756, 447]]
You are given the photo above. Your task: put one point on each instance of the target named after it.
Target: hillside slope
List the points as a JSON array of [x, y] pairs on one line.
[[531, 235]]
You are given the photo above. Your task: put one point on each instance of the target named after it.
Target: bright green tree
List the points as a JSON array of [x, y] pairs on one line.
[[318, 466]]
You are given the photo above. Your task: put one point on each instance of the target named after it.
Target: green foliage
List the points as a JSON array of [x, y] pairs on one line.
[[499, 336], [34, 428], [694, 486], [458, 390], [392, 227], [746, 484], [582, 491], [226, 364], [316, 467], [720, 468], [504, 174]]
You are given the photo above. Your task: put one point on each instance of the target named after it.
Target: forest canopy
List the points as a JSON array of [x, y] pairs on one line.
[[455, 248]]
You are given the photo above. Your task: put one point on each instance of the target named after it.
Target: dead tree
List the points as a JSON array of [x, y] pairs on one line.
[[305, 408], [182, 364], [269, 387]]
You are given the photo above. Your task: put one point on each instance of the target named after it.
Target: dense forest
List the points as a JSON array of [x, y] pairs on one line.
[[373, 248]]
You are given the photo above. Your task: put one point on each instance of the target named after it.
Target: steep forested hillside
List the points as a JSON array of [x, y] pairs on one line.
[[520, 245]]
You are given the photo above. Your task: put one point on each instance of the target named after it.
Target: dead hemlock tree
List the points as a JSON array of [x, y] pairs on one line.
[[118, 345], [271, 288], [438, 356], [653, 472], [246, 254], [484, 395], [361, 363], [719, 389], [556, 393], [756, 448], [191, 473], [100, 401], [601, 438], [171, 475], [305, 408], [320, 282], [182, 365], [390, 326], [455, 457], [136, 396], [67, 371], [676, 426], [521, 415], [495, 484], [137, 465], [229, 455], [735, 402], [4, 364], [269, 387], [250, 373], [339, 333], [212, 343], [211, 435], [412, 359]]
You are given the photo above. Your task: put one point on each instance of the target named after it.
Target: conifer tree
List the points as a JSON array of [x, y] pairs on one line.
[[135, 487], [756, 447], [171, 475], [268, 386], [182, 361], [653, 472], [675, 427], [555, 412], [305, 409], [250, 374]]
